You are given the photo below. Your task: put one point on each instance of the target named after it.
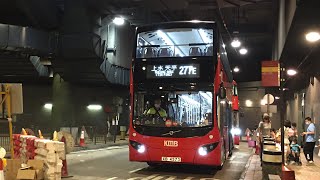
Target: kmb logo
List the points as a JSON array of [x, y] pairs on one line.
[[171, 143]]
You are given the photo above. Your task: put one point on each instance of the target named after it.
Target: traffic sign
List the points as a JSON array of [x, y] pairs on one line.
[[268, 98]]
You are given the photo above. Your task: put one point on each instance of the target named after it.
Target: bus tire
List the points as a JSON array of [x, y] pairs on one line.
[[220, 167]]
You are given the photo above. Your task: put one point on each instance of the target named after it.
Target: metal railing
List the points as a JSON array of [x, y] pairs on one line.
[[5, 142], [94, 135]]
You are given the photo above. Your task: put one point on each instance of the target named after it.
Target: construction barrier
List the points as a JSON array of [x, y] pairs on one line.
[[1, 169], [82, 143]]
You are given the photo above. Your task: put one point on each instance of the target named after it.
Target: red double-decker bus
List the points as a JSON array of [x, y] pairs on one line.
[[183, 68]]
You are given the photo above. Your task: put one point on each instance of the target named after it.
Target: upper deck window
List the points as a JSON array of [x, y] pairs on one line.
[[179, 42]]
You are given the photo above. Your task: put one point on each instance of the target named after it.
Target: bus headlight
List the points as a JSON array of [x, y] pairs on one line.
[[202, 151], [138, 146], [235, 131], [141, 148], [205, 149]]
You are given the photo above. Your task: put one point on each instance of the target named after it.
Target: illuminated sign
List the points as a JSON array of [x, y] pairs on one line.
[[173, 71]]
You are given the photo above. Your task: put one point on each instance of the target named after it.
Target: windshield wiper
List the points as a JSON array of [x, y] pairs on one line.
[[171, 132]]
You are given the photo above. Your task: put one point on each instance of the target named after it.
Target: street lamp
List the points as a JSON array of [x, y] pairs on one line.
[[291, 72], [236, 69], [243, 51], [313, 37], [118, 21], [235, 43]]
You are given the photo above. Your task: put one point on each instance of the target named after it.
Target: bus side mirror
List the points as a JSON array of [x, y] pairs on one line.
[[222, 92]]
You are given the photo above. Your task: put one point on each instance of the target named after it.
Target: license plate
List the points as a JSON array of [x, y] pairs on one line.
[[171, 159]]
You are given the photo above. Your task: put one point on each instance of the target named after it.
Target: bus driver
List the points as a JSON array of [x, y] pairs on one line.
[[156, 110]]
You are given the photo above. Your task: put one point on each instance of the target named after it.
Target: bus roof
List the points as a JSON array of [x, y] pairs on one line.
[[176, 24]]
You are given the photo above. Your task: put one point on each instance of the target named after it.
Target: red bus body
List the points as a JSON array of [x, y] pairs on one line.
[[161, 149]]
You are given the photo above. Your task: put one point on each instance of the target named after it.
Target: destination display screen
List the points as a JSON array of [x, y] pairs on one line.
[[173, 71]]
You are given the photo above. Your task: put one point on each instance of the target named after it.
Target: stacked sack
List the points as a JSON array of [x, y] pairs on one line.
[[52, 153], [16, 146], [31, 147], [24, 147]]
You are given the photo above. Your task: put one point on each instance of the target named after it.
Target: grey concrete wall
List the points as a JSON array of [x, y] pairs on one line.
[[251, 116], [35, 96], [296, 112]]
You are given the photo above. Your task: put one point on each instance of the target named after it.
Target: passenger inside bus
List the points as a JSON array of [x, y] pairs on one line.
[[179, 109], [149, 52], [156, 110], [165, 52], [209, 51], [195, 51]]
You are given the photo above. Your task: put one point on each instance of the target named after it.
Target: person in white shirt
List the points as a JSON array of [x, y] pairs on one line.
[[264, 131]]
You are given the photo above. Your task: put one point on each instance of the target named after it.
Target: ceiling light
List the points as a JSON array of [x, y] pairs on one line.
[[235, 43], [291, 72], [195, 21], [312, 36], [48, 106], [143, 68], [160, 87], [277, 97], [249, 103], [236, 69], [243, 51], [118, 21], [94, 107]]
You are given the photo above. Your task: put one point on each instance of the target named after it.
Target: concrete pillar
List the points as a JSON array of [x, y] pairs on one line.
[[121, 39], [290, 10], [62, 110], [285, 13], [281, 28]]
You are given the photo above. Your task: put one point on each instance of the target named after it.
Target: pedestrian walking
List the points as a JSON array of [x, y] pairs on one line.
[[310, 140]]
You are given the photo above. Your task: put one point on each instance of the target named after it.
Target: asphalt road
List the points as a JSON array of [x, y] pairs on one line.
[[112, 164]]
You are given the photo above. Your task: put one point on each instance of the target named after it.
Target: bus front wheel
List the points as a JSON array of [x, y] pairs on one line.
[[220, 167]]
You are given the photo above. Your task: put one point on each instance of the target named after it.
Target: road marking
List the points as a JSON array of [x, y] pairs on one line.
[[188, 178], [134, 178], [171, 178], [133, 171], [114, 147], [111, 178], [158, 178], [150, 177], [101, 149]]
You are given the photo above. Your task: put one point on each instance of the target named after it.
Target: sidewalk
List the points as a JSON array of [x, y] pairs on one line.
[[90, 145], [305, 172], [253, 169]]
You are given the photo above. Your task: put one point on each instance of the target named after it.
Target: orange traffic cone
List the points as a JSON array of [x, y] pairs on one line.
[[64, 169], [82, 144], [1, 170]]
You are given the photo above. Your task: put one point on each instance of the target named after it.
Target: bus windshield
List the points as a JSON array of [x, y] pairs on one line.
[[178, 108], [177, 42]]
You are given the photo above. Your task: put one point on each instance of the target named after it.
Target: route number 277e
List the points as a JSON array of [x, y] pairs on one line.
[[187, 70]]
